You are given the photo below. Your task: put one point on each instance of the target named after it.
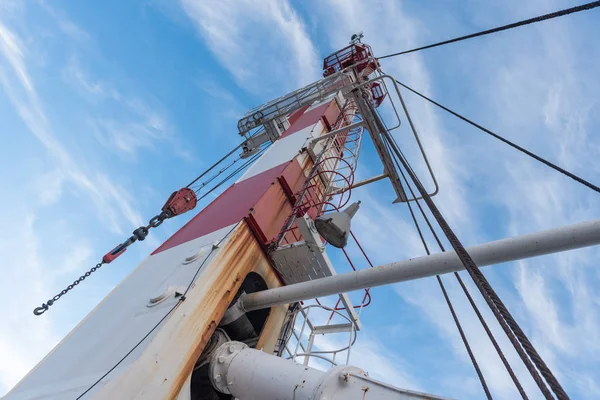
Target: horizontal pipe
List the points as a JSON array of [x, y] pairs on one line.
[[337, 131], [570, 237]]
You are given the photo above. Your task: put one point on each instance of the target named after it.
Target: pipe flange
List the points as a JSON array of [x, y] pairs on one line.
[[218, 338], [220, 362]]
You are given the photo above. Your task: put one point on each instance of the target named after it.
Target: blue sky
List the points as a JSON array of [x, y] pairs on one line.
[[107, 108]]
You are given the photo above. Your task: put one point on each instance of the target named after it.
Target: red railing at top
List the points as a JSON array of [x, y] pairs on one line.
[[359, 58], [359, 55]]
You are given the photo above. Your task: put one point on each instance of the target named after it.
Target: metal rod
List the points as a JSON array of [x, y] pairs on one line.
[[412, 127], [360, 183], [569, 237], [333, 133]]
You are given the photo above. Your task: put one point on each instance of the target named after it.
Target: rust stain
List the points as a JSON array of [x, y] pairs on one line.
[[365, 389], [240, 251], [183, 336]]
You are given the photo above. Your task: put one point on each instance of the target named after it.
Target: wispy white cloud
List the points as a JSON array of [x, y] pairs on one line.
[[548, 90], [132, 124], [68, 27], [532, 197], [264, 45], [28, 277], [28, 271], [29, 107]]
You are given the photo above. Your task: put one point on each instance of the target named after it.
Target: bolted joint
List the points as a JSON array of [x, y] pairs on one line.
[[219, 365]]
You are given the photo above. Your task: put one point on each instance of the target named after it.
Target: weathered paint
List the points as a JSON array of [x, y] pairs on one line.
[[114, 326], [160, 366], [168, 360], [233, 204]]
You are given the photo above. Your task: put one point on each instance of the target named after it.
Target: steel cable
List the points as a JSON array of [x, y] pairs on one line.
[[460, 281], [439, 279], [214, 165], [231, 175], [508, 142], [517, 337], [583, 7]]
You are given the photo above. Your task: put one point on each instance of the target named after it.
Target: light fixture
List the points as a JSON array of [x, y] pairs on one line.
[[335, 227]]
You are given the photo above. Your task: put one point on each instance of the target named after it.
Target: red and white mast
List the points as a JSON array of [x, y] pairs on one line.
[[189, 321]]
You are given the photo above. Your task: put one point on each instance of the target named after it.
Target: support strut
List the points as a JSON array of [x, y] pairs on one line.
[[570, 237], [249, 374]]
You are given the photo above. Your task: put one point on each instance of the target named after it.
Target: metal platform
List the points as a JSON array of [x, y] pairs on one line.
[[314, 92], [307, 260]]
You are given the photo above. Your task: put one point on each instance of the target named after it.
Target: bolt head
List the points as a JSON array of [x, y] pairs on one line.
[[344, 376], [218, 378], [221, 359], [231, 349]]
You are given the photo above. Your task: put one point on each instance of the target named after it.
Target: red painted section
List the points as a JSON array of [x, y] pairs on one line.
[[294, 176], [331, 113], [227, 209], [296, 114], [273, 209], [307, 119], [261, 195]]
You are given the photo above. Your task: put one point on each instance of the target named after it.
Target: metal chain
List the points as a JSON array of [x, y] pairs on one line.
[[44, 307], [141, 232], [138, 234]]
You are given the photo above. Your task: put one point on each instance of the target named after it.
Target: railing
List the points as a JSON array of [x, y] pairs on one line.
[[336, 163], [304, 335], [336, 159], [314, 92]]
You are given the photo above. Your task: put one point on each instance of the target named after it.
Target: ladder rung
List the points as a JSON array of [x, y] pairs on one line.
[[335, 328]]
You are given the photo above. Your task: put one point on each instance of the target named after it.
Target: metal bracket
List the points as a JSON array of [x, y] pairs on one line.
[[374, 128], [412, 127]]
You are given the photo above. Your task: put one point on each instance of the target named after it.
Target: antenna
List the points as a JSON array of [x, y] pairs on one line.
[[356, 37]]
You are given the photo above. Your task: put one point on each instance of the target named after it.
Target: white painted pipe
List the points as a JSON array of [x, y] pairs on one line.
[[570, 237], [250, 374], [247, 374]]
